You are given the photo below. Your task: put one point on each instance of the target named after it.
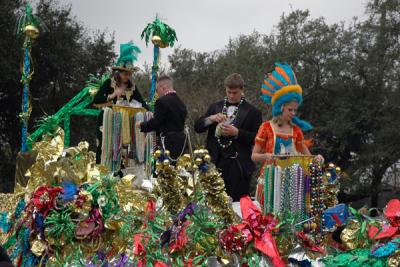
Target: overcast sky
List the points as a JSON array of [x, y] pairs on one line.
[[201, 25]]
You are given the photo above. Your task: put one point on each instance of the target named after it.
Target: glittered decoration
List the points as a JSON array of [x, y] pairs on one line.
[[170, 186], [354, 258], [213, 186]]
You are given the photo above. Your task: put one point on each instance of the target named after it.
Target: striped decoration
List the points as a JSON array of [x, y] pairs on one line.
[[139, 138], [106, 155]]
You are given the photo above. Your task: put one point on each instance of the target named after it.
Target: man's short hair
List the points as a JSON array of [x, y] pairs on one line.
[[166, 80], [234, 81]]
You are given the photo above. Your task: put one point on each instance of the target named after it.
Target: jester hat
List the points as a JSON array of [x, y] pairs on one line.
[[128, 55], [280, 87]]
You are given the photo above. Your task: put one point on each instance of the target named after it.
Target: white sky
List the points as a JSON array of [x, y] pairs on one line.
[[201, 25]]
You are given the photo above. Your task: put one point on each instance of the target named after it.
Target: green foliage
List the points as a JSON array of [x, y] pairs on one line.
[[63, 56]]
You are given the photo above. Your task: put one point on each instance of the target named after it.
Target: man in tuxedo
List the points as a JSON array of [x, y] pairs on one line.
[[169, 119], [232, 125]]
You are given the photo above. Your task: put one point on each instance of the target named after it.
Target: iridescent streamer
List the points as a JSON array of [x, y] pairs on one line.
[[25, 97], [156, 51]]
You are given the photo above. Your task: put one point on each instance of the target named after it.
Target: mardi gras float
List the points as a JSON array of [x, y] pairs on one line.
[[74, 212]]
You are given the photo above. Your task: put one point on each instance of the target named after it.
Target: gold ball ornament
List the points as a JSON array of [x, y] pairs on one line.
[[331, 165], [338, 169], [198, 161], [31, 31], [167, 153], [195, 167], [314, 226], [157, 154], [156, 40], [207, 158], [166, 162]]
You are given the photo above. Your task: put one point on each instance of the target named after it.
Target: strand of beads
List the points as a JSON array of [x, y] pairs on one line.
[[149, 148], [277, 188], [139, 138], [300, 192], [231, 118], [317, 202]]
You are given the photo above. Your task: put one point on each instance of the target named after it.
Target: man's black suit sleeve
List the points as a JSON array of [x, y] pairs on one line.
[[200, 124], [247, 136], [160, 115]]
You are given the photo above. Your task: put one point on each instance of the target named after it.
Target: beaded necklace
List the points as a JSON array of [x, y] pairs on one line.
[[139, 138], [232, 119]]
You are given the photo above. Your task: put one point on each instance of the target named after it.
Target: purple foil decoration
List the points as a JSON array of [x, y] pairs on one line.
[[180, 218], [122, 261]]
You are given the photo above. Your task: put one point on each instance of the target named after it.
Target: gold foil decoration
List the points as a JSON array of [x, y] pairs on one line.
[[38, 247], [350, 235], [394, 260], [170, 186], [130, 198], [214, 188]]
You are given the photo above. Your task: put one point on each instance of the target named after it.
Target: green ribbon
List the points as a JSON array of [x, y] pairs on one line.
[[354, 258], [76, 106]]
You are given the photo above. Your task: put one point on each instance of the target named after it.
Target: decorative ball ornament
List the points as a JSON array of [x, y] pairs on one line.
[[156, 40], [207, 158], [331, 165], [157, 154], [166, 162], [198, 161], [158, 165], [31, 31], [167, 153], [338, 169], [313, 226]]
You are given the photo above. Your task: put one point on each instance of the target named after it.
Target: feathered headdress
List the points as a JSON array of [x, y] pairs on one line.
[[280, 87], [128, 55]]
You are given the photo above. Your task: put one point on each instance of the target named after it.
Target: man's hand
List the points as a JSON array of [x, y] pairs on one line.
[[218, 118], [229, 130]]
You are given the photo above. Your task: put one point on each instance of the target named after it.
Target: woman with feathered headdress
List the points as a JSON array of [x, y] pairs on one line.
[[283, 134]]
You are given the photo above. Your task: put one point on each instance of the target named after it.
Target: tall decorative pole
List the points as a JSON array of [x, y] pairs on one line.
[[27, 25], [161, 36]]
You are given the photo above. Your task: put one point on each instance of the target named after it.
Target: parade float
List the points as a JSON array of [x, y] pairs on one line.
[[73, 212]]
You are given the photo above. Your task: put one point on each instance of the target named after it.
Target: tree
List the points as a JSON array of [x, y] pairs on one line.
[[63, 57], [349, 74]]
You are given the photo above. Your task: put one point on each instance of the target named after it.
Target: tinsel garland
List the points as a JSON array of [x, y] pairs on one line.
[[169, 185], [213, 186]]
